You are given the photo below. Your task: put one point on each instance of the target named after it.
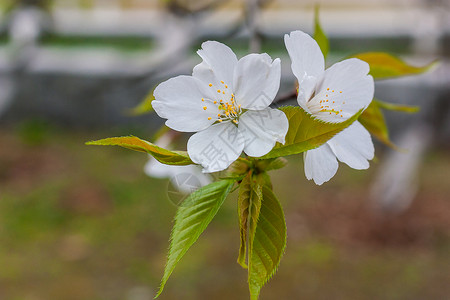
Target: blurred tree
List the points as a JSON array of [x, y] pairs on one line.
[[10, 5]]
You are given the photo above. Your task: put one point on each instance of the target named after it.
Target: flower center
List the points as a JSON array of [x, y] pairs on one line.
[[329, 102], [229, 110]]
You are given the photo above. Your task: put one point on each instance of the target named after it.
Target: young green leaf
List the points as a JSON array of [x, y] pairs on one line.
[[384, 66], [319, 34], [268, 245], [164, 156], [270, 164], [373, 120], [192, 218], [397, 107], [249, 205], [306, 132]]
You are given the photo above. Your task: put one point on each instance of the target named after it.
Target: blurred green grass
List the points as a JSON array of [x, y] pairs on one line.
[[79, 222]]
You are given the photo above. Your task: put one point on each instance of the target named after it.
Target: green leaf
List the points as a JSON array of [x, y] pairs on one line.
[[144, 107], [384, 66], [373, 120], [397, 107], [306, 132], [192, 218], [265, 165], [164, 156], [319, 34], [268, 244], [249, 205]]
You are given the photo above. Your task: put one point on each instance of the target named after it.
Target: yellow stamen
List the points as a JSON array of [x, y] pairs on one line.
[[204, 107]]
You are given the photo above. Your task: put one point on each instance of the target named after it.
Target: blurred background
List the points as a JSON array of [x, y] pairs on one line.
[[79, 222]]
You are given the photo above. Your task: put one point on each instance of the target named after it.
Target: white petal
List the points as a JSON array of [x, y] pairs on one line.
[[320, 164], [178, 175], [155, 169], [256, 81], [345, 86], [353, 146], [307, 61], [217, 88], [179, 100], [216, 147], [189, 178], [220, 59], [262, 129], [272, 84]]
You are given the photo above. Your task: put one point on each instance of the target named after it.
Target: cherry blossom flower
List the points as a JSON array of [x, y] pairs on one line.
[[225, 102], [332, 95]]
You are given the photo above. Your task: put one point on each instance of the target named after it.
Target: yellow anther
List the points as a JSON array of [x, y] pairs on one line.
[[210, 84], [215, 102], [332, 91], [204, 107], [227, 113], [328, 89], [223, 92], [218, 91], [235, 121], [209, 118], [203, 99], [218, 115], [220, 120], [340, 92], [222, 82]]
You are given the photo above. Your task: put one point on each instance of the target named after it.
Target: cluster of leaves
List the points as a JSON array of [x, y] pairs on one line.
[[261, 218]]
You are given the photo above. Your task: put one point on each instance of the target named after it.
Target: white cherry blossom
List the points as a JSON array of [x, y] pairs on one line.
[[332, 95], [225, 102]]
